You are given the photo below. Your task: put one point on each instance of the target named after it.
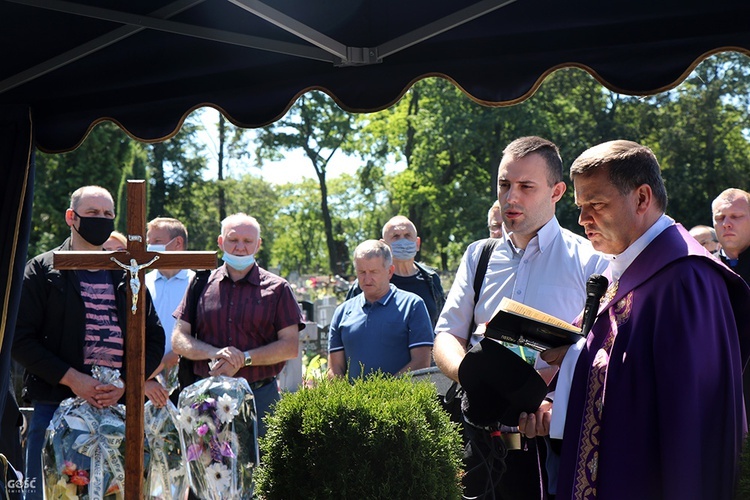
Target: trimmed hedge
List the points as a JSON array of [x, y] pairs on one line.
[[378, 438]]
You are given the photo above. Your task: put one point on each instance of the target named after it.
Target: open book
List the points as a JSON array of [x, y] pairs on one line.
[[525, 326]]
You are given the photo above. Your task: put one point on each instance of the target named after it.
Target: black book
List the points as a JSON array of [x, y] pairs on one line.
[[525, 326]]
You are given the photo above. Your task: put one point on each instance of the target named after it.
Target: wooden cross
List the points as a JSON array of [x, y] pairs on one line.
[[135, 337]]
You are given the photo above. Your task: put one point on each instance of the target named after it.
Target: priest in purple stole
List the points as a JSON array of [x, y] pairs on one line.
[[655, 409]]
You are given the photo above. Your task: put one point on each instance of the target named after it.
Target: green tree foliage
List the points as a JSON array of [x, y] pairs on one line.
[[248, 194], [355, 214], [700, 136], [298, 225], [137, 170], [175, 169], [179, 189], [233, 144], [359, 210], [450, 146], [100, 160], [317, 126], [444, 138]]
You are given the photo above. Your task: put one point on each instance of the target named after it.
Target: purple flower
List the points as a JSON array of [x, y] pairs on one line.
[[215, 448], [207, 405], [226, 450], [202, 430], [194, 452]]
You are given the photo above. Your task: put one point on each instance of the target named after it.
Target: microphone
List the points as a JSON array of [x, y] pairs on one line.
[[596, 286]]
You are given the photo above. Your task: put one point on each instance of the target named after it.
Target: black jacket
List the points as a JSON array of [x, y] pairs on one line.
[[50, 329], [743, 266]]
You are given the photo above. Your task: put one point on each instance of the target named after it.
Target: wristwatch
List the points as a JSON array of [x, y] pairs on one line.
[[248, 358]]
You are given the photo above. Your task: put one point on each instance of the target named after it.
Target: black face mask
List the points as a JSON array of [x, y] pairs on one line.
[[95, 230]]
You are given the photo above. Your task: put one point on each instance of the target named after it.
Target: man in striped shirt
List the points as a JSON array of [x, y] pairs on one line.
[[70, 321], [246, 322]]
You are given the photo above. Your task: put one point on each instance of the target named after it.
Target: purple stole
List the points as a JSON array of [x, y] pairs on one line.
[[587, 461], [583, 461]]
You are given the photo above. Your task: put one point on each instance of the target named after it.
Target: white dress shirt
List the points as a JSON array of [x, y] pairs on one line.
[[167, 295], [549, 275]]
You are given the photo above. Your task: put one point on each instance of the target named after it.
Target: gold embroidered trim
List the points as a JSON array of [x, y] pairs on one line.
[[610, 293]]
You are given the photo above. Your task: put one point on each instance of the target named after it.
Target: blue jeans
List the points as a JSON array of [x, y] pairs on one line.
[[40, 419], [264, 397]]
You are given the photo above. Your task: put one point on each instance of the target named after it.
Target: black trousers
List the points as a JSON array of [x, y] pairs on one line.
[[491, 472]]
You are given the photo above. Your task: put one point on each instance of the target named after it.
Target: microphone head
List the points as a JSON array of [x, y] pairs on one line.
[[596, 285]]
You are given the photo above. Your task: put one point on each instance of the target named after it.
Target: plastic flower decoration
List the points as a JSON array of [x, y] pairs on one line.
[[63, 490], [218, 432], [166, 475], [84, 447]]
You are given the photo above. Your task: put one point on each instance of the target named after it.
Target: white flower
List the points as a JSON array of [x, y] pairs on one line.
[[226, 408], [218, 476], [187, 417]]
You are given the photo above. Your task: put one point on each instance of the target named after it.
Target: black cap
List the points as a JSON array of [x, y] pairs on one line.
[[498, 385]]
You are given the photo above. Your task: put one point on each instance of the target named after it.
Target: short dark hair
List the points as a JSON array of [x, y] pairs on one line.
[[524, 146], [628, 164]]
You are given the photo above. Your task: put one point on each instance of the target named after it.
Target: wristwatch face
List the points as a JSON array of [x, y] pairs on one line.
[[248, 360]]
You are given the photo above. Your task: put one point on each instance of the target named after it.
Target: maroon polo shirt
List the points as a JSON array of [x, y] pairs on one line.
[[245, 314]]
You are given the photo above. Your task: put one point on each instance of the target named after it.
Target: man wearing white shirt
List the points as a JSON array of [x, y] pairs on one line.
[[167, 287], [536, 262]]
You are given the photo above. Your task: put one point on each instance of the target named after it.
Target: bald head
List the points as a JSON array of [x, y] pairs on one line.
[[239, 219], [399, 223], [731, 214], [400, 234], [89, 192], [706, 236]]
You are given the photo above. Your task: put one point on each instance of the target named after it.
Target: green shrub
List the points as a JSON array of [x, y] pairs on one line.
[[378, 438]]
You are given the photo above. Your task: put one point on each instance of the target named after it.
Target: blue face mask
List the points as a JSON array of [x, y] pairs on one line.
[[153, 247], [404, 249], [238, 262]]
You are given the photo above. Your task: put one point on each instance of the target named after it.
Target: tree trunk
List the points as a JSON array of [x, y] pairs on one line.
[[333, 257], [159, 191], [220, 174]]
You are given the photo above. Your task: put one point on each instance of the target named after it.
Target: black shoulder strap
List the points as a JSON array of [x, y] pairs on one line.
[[484, 259], [481, 270], [429, 279], [196, 287], [185, 373]]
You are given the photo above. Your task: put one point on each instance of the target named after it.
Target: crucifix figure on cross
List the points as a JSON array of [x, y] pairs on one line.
[[135, 282], [139, 259]]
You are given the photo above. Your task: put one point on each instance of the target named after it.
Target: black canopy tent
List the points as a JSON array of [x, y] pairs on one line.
[[146, 64]]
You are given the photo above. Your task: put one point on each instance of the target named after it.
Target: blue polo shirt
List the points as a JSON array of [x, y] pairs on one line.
[[379, 335]]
